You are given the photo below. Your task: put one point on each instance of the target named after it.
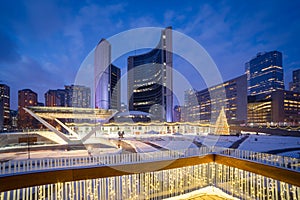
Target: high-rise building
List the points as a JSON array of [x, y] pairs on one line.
[[295, 84], [278, 107], [26, 97], [265, 73], [56, 98], [199, 104], [150, 80], [106, 80], [115, 87], [78, 96], [4, 107]]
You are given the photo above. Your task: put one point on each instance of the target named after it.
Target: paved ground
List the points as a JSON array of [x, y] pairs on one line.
[[206, 197]]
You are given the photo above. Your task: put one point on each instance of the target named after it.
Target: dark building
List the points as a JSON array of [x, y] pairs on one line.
[[78, 96], [41, 104], [177, 114], [14, 119], [56, 98], [295, 84], [26, 98], [150, 80], [4, 107], [279, 107], [204, 106], [51, 98], [115, 87], [265, 73], [106, 80]]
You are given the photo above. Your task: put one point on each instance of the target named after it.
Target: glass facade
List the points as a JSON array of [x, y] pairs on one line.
[[150, 80], [199, 104], [115, 87], [280, 107], [265, 73], [78, 96]]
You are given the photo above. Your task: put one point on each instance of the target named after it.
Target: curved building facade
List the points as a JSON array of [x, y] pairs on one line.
[[106, 78], [150, 80]]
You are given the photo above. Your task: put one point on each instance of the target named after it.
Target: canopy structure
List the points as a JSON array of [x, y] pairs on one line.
[[58, 113]]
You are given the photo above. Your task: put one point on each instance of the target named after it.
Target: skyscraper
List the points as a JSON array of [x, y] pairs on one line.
[[265, 73], [295, 84], [106, 78], [150, 80], [26, 97], [4, 107], [115, 87]]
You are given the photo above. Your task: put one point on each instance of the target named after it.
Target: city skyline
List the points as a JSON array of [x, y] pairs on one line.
[[32, 34]]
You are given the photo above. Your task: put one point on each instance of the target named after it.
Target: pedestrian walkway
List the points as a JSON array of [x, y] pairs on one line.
[[206, 197], [206, 193]]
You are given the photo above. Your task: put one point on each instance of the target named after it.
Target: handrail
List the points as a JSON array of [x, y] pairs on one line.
[[20, 180], [30, 165]]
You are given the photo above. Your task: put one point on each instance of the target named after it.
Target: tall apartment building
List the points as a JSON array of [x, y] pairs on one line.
[[4, 107], [150, 80], [265, 73], [106, 78], [204, 107], [26, 97], [71, 96]]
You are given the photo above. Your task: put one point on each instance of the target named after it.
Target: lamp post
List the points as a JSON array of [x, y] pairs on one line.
[[28, 147]]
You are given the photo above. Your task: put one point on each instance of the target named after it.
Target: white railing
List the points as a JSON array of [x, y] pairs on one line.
[[16, 166], [163, 184], [264, 158]]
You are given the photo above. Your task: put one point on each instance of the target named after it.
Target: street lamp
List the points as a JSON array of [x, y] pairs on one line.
[[28, 149]]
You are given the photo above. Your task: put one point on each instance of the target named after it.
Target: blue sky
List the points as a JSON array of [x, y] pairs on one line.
[[42, 43]]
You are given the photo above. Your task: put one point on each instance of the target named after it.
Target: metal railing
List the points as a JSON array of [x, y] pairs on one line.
[[16, 166]]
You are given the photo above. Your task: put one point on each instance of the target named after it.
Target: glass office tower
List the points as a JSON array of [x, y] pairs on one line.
[[150, 80], [265, 73]]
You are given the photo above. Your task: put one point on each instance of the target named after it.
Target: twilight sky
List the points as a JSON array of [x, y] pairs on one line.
[[43, 42]]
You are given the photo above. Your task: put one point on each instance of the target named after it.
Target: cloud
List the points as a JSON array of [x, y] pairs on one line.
[[171, 17], [232, 33], [144, 21], [8, 49], [45, 18]]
